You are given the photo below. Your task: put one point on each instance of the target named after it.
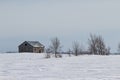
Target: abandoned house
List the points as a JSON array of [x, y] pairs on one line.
[[31, 46]]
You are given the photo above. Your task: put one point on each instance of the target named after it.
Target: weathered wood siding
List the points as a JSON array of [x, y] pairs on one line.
[[38, 49], [25, 47]]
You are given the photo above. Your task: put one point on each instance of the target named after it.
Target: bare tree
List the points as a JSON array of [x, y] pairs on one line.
[[48, 53], [92, 44], [55, 46], [69, 52], [76, 48], [97, 45], [101, 48]]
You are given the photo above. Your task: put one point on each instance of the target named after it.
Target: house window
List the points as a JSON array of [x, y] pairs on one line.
[[25, 44]]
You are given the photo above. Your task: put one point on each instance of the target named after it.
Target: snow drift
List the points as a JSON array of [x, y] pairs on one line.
[[28, 66]]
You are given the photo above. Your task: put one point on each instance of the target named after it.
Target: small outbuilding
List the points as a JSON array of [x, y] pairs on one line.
[[31, 46]]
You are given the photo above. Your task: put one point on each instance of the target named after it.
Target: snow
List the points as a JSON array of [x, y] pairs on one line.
[[33, 66]]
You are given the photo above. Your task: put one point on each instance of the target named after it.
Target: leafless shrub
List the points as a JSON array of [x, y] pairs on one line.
[[55, 46], [77, 48], [97, 45]]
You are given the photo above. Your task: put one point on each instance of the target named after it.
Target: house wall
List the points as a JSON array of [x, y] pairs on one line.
[[38, 49], [25, 47]]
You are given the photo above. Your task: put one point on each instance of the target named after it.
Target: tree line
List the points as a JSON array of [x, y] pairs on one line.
[[96, 46]]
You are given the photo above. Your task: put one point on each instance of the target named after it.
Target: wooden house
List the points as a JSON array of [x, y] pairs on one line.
[[31, 46]]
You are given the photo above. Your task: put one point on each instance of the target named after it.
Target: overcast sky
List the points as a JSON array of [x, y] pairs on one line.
[[69, 20]]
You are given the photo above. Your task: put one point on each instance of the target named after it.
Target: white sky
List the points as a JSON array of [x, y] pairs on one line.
[[69, 20]]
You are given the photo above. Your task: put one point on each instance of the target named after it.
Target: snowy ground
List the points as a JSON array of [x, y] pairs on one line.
[[36, 67]]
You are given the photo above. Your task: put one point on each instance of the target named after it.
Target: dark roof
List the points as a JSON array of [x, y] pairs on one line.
[[35, 43]]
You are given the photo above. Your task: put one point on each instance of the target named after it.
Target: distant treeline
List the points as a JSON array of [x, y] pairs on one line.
[[96, 46]]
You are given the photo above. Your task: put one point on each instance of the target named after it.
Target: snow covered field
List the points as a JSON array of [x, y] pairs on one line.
[[30, 66]]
